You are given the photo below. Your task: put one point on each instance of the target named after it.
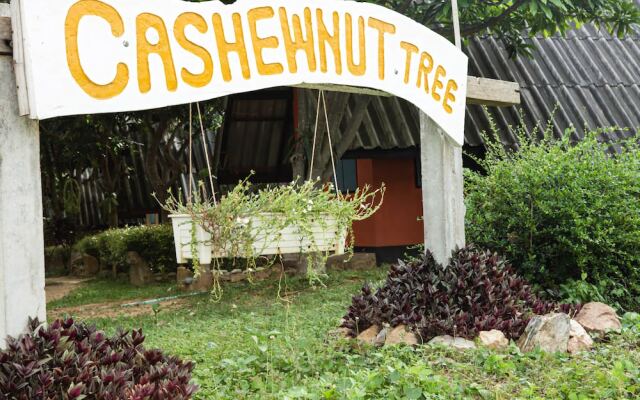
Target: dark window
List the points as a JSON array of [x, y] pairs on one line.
[[257, 137], [347, 172]]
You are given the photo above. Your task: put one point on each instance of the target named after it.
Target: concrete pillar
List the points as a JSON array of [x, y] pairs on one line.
[[442, 191], [21, 230]]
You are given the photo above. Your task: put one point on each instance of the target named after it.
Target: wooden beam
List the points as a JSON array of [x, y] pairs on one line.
[[5, 30], [343, 89], [492, 92], [484, 91]]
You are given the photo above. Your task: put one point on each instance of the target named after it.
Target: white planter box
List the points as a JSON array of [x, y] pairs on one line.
[[322, 237]]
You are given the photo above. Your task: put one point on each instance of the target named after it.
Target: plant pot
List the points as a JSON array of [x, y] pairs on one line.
[[321, 237]]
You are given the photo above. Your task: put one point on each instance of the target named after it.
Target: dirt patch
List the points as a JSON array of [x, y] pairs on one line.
[[59, 287], [115, 309]]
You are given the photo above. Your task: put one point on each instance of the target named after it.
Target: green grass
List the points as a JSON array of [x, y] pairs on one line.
[[252, 345], [99, 291]]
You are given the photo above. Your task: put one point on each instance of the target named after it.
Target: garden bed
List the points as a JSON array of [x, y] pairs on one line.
[[280, 349]]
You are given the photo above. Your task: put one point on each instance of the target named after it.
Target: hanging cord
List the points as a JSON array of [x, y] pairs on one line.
[[333, 161], [456, 23], [315, 136], [322, 97], [189, 198], [206, 155]]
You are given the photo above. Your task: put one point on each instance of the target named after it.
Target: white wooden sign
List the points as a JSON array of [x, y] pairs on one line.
[[96, 56]]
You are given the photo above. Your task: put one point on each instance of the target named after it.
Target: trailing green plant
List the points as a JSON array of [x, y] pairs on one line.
[[248, 217], [154, 244], [477, 291], [559, 209], [72, 361]]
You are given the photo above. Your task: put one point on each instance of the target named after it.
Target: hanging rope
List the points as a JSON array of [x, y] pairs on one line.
[[322, 97], [456, 23], [206, 155], [315, 136], [333, 161], [189, 198]]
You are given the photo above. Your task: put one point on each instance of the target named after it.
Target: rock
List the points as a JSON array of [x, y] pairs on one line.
[[549, 332], [353, 262], [184, 278], [203, 283], [234, 277], [449, 341], [139, 272], [579, 339], [598, 318], [369, 336], [400, 335], [382, 337], [86, 266], [264, 273], [493, 339], [340, 333]]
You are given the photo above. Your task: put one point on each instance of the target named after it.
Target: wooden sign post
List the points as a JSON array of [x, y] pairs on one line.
[[97, 56]]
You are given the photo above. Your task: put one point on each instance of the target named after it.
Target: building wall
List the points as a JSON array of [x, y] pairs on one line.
[[397, 222]]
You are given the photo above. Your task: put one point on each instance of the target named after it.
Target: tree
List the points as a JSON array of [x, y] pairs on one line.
[[164, 137], [515, 20], [80, 149]]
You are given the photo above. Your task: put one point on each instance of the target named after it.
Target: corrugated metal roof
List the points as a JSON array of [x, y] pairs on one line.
[[588, 79]]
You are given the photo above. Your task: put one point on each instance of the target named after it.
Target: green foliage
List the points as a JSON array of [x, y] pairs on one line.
[[564, 213], [153, 243], [259, 347], [514, 20]]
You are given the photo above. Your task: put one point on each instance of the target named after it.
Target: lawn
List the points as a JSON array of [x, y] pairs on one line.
[[270, 341]]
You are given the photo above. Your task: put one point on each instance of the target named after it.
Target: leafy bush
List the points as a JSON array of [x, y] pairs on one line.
[[69, 360], [561, 211], [476, 292], [154, 244]]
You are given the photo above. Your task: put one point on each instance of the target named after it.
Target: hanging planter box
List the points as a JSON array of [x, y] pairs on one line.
[[322, 236]]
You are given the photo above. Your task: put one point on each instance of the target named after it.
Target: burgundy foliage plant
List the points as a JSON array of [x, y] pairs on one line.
[[477, 291], [72, 361]]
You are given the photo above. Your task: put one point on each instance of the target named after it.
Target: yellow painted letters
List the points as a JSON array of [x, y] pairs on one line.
[[361, 68], [382, 28], [324, 39], [145, 49], [297, 42], [196, 20], [108, 13], [224, 47], [259, 43]]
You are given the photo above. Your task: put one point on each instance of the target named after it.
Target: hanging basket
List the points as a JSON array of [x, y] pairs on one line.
[[325, 236]]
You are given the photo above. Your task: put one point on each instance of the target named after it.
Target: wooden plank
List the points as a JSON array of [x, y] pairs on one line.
[[343, 89], [492, 92], [484, 91], [18, 59], [5, 30]]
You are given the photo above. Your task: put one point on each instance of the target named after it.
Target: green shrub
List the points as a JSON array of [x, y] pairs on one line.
[[567, 214], [154, 244]]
